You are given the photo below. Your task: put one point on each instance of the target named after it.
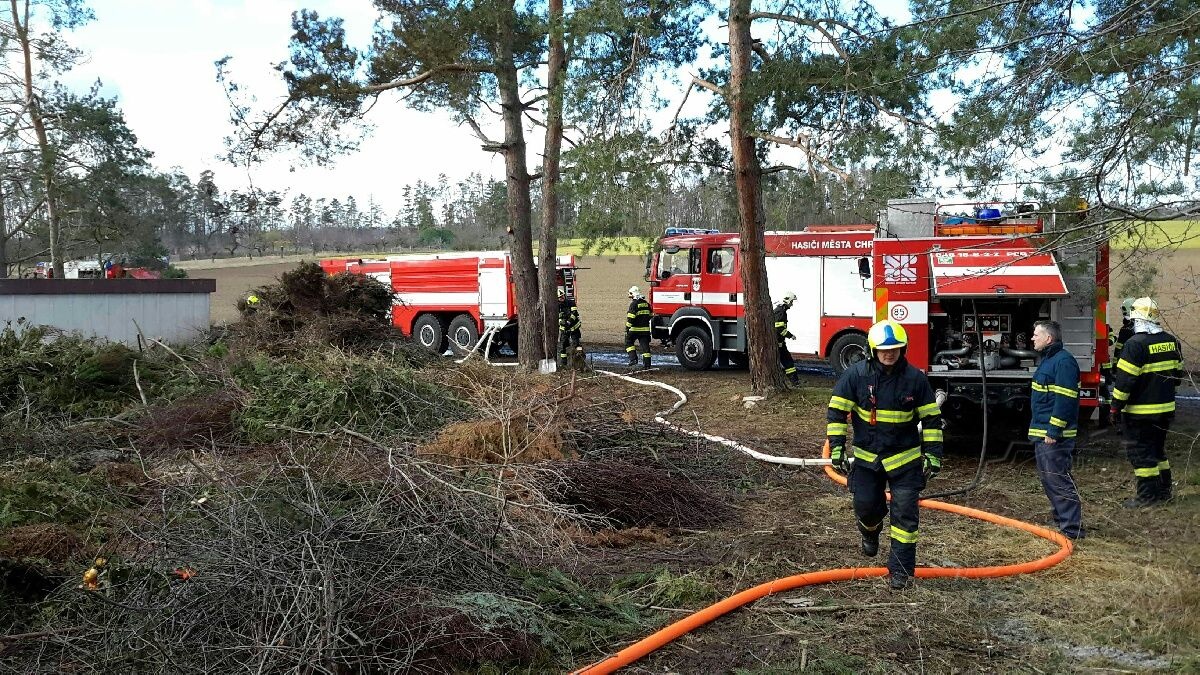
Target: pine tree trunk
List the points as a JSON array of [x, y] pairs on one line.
[[530, 347], [46, 163], [3, 236], [548, 250], [765, 373]]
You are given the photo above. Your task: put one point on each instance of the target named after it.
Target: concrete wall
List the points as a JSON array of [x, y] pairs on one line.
[[174, 310]]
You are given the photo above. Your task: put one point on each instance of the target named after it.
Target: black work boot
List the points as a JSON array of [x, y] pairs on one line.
[[1164, 485], [1148, 491], [900, 582], [632, 361], [869, 545], [645, 361]]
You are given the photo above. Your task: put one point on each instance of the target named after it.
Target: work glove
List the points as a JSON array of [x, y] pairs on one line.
[[837, 457], [930, 466]]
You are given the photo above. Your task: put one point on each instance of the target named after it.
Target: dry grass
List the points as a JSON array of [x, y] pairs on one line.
[[493, 441]]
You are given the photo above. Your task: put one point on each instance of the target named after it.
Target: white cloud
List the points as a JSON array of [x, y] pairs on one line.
[[158, 58]]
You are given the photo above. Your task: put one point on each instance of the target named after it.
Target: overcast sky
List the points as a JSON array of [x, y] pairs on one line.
[[157, 57]]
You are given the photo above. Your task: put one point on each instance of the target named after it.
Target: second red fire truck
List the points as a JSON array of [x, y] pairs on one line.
[[450, 300], [967, 281]]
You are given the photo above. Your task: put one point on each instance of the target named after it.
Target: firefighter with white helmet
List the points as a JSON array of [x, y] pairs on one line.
[[570, 327], [782, 334], [637, 327], [1145, 378], [897, 444]]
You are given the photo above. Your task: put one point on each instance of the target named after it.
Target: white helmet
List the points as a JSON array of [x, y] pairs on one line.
[[634, 292], [1145, 309], [789, 298]]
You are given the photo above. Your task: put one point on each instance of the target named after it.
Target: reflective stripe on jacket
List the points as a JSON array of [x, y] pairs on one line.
[[1147, 373], [884, 410], [1054, 403], [568, 317], [781, 330], [637, 320]]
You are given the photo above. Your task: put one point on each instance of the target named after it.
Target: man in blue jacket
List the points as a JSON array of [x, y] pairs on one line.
[[1054, 404]]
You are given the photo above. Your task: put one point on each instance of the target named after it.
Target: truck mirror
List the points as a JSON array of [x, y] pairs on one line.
[[649, 262], [864, 268]]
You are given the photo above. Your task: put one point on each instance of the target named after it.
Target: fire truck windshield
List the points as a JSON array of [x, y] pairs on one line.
[[680, 261]]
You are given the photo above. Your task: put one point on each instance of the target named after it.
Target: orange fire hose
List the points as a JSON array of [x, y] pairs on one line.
[[666, 635]]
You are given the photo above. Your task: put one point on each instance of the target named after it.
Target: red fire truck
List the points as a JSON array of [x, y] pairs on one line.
[[451, 299], [967, 281]]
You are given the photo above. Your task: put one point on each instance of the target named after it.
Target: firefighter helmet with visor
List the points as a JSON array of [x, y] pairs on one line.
[[1145, 309], [1126, 307], [887, 334]]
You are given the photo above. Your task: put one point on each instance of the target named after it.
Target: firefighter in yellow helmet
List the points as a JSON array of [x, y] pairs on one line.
[[782, 334], [897, 444], [637, 327], [1145, 378]]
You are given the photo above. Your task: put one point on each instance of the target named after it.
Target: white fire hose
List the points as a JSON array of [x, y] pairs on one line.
[[660, 417]]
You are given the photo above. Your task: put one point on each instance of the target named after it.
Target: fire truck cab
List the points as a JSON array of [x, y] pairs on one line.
[[698, 303]]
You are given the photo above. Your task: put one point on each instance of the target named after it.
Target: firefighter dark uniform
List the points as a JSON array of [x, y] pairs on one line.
[[1146, 375], [1054, 414], [637, 328], [890, 450], [782, 334], [570, 327]]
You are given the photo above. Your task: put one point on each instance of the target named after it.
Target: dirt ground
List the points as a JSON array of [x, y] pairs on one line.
[[1123, 602]]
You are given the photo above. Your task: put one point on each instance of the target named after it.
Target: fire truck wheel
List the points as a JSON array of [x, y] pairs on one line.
[[694, 348], [463, 334], [430, 333], [848, 350]]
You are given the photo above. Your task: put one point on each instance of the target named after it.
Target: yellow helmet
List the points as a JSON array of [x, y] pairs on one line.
[[887, 334], [252, 299], [1146, 309]]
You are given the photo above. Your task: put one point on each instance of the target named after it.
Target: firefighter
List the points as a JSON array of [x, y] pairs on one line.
[[1149, 369], [637, 327], [782, 334], [249, 304], [1115, 342], [897, 444], [1053, 425], [569, 327]]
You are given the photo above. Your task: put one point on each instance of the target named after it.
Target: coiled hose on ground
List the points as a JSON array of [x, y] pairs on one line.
[[666, 635]]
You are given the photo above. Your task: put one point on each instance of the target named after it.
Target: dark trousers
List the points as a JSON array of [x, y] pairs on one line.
[[643, 340], [1146, 447], [1054, 468], [788, 363], [567, 339], [870, 505]]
